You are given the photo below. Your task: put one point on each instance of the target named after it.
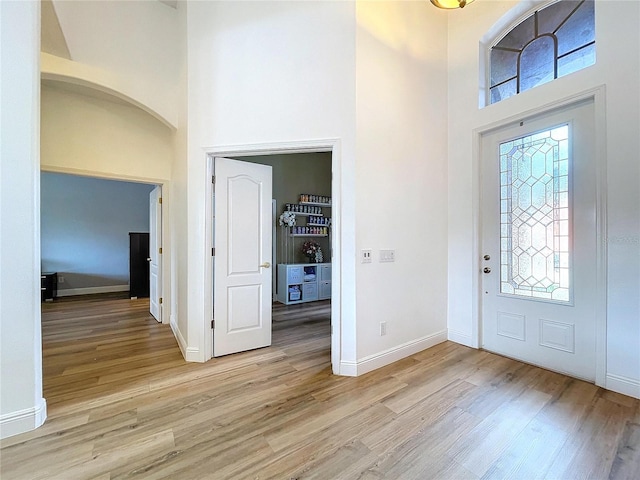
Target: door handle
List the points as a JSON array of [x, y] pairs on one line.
[[148, 259], [265, 265], [486, 270]]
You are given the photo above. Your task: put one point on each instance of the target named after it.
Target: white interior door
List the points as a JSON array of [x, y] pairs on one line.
[[242, 271], [155, 255], [538, 241]]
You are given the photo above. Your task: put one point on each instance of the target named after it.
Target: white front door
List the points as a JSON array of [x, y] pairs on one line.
[[538, 241], [155, 257], [242, 271]]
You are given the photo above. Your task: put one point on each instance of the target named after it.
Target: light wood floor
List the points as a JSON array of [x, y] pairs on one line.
[[123, 404]]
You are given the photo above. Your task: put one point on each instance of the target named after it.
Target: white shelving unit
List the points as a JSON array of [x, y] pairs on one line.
[[303, 282]]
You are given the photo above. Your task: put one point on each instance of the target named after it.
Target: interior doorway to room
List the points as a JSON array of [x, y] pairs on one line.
[[297, 213], [89, 226], [539, 249]]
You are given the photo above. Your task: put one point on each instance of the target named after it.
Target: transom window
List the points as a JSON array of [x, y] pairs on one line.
[[554, 41]]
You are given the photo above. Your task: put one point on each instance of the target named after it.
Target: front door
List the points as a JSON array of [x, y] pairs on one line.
[[242, 271], [538, 241]]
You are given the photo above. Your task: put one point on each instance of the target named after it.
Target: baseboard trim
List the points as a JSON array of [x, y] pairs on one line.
[[348, 369], [193, 355], [386, 357], [23, 421], [625, 385], [182, 344], [70, 292], [461, 338]]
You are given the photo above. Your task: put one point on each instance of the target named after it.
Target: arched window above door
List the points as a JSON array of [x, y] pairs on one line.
[[552, 42]]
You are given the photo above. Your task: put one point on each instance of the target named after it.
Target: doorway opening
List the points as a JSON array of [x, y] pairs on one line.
[[314, 194], [301, 256], [88, 228]]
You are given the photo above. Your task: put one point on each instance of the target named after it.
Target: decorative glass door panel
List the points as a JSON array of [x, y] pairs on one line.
[[535, 223]]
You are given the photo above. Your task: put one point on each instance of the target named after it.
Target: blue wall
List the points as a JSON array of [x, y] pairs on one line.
[[85, 228]]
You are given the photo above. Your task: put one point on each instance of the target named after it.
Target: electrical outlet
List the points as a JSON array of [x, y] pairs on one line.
[[383, 328], [387, 255], [366, 256], [60, 279]]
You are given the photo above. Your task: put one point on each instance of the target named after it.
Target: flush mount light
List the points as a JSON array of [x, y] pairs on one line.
[[451, 4]]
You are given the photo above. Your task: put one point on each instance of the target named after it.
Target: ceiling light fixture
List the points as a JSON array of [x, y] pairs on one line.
[[451, 4]]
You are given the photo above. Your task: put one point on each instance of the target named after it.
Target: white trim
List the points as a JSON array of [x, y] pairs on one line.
[[69, 292], [597, 94], [600, 111], [461, 338], [386, 357], [178, 334], [332, 145], [104, 175], [192, 354], [621, 384], [22, 421]]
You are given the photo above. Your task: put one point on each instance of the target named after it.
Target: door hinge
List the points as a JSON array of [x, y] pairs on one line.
[[213, 251], [159, 199], [160, 250], [160, 300], [213, 179], [213, 324]]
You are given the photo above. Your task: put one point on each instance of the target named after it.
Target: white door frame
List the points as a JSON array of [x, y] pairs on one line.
[[599, 102], [313, 146]]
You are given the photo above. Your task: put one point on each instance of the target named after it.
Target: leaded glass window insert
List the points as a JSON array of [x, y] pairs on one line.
[[535, 217], [554, 41]]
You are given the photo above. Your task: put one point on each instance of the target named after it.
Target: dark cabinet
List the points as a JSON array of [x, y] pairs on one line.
[[138, 265], [48, 286]]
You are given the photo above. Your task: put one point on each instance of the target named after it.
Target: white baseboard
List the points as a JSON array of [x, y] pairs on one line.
[[349, 369], [193, 355], [69, 292], [391, 355], [624, 385], [176, 333], [461, 338], [23, 420]]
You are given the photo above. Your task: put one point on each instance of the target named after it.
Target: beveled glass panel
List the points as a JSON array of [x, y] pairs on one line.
[[552, 42], [550, 18], [520, 35], [578, 30], [534, 215], [503, 65], [503, 91], [583, 58], [537, 63]]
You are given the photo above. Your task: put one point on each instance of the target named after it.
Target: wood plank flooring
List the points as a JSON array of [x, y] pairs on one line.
[[122, 404]]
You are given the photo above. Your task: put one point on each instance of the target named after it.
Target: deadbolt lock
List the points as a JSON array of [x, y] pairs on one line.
[[487, 257]]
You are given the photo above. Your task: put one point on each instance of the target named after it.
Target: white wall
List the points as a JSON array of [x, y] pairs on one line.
[[22, 407], [89, 134], [263, 72], [617, 67], [85, 225], [401, 171], [133, 43]]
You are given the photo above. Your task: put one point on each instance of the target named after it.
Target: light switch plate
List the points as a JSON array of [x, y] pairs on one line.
[[387, 255]]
